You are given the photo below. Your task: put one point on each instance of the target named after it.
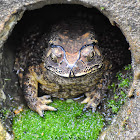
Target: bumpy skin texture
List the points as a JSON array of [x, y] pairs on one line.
[[64, 63]]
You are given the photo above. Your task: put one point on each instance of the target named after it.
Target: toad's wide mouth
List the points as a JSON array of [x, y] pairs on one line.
[[72, 73]]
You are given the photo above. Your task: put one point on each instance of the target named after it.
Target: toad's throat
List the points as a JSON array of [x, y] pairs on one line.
[[71, 73]]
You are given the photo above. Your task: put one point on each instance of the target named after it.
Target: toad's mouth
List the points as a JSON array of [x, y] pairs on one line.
[[73, 73]]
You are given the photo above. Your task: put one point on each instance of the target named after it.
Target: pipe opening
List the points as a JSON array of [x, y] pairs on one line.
[[115, 46]]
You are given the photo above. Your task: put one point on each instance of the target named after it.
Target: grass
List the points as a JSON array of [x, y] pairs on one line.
[[69, 122]]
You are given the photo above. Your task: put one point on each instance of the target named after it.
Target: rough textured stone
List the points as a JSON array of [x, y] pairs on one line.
[[3, 134], [126, 125], [124, 14]]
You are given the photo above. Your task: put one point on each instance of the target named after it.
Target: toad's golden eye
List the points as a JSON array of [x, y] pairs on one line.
[[57, 52], [87, 53], [90, 56], [53, 58], [56, 55]]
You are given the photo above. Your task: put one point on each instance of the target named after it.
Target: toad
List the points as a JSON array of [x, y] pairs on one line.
[[64, 63]]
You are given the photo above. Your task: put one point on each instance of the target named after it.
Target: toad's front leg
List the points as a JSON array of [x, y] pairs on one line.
[[92, 100], [94, 97], [30, 90]]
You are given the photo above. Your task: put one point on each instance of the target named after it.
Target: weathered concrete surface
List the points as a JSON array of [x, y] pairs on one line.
[[123, 13], [126, 125], [3, 134]]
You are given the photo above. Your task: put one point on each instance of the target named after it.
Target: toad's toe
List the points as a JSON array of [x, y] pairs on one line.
[[38, 104], [45, 99], [42, 108], [92, 101]]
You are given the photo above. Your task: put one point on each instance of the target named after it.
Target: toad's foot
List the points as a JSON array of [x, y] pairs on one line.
[[92, 100], [39, 104]]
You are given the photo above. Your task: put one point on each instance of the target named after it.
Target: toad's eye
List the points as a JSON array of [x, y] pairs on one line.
[[56, 54], [90, 56], [88, 52], [53, 57]]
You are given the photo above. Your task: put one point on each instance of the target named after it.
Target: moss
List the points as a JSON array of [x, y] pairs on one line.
[[4, 113], [119, 88], [69, 122], [102, 8]]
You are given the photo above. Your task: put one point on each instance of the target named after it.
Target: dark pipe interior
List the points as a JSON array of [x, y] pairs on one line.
[[39, 20]]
